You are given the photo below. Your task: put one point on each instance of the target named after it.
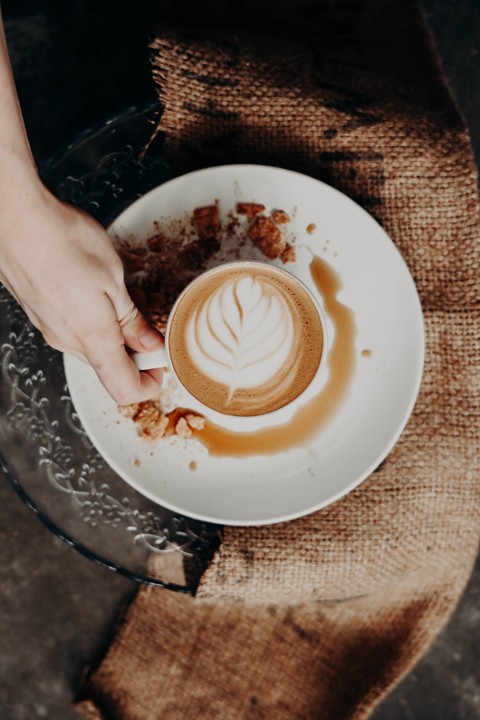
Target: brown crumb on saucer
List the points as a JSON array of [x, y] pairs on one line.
[[128, 411], [250, 209], [289, 254], [154, 423], [311, 227], [192, 465], [207, 221], [157, 243], [187, 423], [150, 421], [196, 422], [267, 237], [280, 217], [182, 429], [132, 261]]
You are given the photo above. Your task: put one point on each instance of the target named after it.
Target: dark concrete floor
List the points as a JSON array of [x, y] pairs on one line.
[[57, 608]]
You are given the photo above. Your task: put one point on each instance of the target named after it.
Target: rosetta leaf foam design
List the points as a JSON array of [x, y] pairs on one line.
[[242, 335]]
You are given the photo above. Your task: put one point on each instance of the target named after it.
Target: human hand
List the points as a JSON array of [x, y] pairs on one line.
[[62, 268]]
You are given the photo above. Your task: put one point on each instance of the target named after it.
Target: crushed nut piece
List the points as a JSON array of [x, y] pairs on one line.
[[150, 421], [267, 237], [280, 217], [250, 209], [182, 429], [206, 221], [128, 411], [288, 255], [196, 422]]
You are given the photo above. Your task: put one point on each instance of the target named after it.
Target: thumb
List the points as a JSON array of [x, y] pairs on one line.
[[138, 333]]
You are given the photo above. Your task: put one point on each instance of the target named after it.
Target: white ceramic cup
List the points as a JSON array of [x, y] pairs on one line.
[[161, 359]]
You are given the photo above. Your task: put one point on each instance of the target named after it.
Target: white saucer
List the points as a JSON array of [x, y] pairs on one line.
[[376, 285]]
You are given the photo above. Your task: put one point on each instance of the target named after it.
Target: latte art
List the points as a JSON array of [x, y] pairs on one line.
[[242, 335], [245, 339]]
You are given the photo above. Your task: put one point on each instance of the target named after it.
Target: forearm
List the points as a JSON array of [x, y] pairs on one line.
[[62, 267], [18, 174]]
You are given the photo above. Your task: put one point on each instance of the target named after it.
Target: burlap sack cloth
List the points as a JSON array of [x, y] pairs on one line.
[[321, 617]]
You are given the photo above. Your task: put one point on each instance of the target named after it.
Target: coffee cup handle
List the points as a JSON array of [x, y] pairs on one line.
[[150, 360]]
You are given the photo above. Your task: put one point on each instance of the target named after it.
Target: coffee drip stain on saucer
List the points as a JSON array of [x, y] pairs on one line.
[[310, 417]]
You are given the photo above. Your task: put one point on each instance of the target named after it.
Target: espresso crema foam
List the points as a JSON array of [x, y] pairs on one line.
[[246, 341]]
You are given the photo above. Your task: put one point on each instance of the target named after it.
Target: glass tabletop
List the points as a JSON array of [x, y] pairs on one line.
[[44, 451]]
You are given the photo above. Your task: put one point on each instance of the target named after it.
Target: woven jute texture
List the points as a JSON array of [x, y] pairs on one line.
[[321, 617]]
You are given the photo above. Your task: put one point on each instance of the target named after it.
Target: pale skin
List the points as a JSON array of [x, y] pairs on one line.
[[62, 268]]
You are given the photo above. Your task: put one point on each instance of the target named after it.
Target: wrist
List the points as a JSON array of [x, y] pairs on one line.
[[21, 190]]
